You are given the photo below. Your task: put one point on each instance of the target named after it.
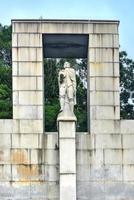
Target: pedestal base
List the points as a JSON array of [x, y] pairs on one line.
[[67, 157]]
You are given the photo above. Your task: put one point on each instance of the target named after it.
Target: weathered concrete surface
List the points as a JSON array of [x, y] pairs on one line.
[[103, 172], [26, 191]]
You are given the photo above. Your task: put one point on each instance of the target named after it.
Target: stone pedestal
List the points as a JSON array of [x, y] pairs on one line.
[[67, 158]]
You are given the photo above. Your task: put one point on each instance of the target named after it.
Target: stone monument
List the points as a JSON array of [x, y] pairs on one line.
[[29, 160], [66, 123]]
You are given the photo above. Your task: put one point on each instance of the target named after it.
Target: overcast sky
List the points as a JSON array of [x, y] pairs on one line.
[[122, 10]]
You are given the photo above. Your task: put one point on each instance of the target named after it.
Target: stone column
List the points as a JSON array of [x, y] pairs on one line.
[[104, 73], [67, 158]]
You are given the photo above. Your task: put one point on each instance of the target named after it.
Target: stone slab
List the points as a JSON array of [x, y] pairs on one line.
[[66, 129], [67, 156], [68, 187]]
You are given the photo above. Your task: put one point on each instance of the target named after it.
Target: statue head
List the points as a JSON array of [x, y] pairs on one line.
[[67, 65]]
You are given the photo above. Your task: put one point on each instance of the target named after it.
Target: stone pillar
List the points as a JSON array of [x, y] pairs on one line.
[[104, 87], [27, 61], [67, 158]]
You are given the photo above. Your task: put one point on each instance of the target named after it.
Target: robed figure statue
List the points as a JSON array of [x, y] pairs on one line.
[[67, 88]]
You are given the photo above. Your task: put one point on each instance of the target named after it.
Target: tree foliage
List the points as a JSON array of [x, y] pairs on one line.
[[5, 73], [127, 86], [5, 91], [50, 94], [5, 44]]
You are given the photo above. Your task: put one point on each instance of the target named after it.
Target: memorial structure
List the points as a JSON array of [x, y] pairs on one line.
[[94, 165], [67, 133]]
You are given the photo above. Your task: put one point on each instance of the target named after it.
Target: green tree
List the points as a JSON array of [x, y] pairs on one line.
[[5, 91], [5, 73], [127, 86], [5, 44], [51, 102], [81, 107]]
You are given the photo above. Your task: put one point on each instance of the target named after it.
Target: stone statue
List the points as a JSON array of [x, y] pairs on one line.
[[67, 88]]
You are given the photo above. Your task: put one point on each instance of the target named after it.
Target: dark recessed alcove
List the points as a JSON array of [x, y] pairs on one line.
[[65, 45]]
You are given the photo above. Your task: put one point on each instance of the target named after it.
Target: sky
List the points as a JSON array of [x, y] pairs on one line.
[[122, 10]]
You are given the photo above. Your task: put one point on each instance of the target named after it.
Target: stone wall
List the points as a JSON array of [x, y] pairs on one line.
[[29, 158], [107, 168], [105, 164], [28, 163]]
